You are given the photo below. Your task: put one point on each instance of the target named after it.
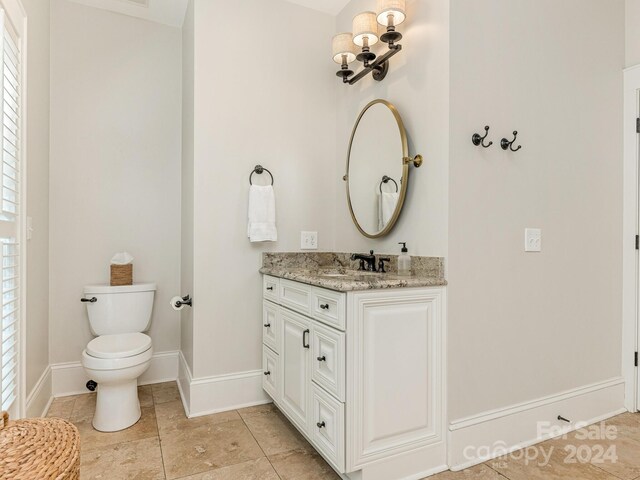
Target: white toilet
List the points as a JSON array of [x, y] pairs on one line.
[[120, 353]]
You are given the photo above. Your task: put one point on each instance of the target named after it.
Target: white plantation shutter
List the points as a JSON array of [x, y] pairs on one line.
[[11, 126]]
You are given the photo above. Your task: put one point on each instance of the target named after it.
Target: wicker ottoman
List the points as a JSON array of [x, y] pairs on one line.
[[39, 448]]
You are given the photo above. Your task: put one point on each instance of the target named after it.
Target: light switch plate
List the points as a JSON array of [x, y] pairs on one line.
[[309, 240], [532, 240]]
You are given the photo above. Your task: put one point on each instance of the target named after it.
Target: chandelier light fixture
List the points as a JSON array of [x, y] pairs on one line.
[[356, 45]]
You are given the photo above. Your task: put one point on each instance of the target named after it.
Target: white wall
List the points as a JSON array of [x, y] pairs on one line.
[[522, 325], [115, 164], [186, 261], [266, 100], [632, 32], [37, 175], [418, 85]]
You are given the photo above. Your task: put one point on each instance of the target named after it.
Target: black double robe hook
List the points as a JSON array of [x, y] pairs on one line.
[[506, 144], [478, 140]]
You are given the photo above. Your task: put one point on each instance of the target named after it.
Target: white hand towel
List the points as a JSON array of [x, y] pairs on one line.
[[262, 214], [387, 208]]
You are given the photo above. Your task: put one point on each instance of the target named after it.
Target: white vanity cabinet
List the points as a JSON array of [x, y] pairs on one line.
[[360, 374]]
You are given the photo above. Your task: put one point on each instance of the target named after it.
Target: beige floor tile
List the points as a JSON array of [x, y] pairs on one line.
[[590, 445], [259, 469], [91, 439], [145, 395], [84, 408], [538, 469], [139, 460], [302, 464], [197, 450], [272, 430], [171, 416], [479, 472], [61, 407], [165, 392]]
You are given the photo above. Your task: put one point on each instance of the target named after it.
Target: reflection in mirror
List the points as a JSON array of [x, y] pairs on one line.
[[376, 170]]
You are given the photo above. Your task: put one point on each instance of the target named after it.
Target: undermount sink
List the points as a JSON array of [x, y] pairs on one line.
[[354, 274]]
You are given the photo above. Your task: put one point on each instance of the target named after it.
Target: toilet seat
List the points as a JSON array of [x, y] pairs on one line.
[[116, 352], [119, 346]]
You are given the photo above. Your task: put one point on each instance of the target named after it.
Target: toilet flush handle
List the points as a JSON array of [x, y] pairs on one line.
[[90, 300]]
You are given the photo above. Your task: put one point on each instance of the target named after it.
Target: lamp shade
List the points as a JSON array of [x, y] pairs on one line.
[[365, 27], [391, 7], [343, 45]]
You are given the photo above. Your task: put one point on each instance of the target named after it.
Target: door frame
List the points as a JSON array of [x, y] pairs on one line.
[[630, 228]]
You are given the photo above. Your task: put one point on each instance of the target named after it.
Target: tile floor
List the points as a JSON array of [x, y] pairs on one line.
[[258, 443]]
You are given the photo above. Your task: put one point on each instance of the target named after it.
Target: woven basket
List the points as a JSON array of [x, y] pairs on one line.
[[121, 275], [39, 448]]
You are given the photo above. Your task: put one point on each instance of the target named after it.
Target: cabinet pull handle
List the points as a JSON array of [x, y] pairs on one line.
[[325, 306], [267, 325], [267, 372], [322, 359], [270, 288], [320, 424], [305, 342]]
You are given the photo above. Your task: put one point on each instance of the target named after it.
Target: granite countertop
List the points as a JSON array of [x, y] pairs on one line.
[[336, 271]]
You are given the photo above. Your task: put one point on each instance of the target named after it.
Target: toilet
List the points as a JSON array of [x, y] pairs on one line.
[[120, 353]]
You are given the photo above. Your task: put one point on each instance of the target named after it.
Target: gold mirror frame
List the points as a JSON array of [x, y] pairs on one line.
[[405, 160]]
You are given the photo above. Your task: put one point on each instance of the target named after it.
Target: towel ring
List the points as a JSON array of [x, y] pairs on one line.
[[259, 169], [385, 180]]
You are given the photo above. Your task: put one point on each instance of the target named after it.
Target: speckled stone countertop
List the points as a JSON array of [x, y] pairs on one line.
[[336, 271]]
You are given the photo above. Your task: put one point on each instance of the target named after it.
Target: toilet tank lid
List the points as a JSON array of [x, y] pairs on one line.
[[107, 289]]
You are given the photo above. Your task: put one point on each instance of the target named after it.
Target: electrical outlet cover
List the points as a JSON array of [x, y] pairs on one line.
[[309, 240], [532, 240]]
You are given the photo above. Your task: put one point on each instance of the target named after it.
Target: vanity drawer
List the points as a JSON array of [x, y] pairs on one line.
[[271, 373], [329, 307], [271, 325], [270, 288], [296, 296], [328, 359], [327, 428]]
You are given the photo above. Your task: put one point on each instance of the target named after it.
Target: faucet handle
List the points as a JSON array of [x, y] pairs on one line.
[[381, 264]]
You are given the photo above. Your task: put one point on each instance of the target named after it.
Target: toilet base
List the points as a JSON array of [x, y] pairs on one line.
[[117, 406]]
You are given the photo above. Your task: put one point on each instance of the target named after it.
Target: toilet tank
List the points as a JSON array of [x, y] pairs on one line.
[[125, 309]]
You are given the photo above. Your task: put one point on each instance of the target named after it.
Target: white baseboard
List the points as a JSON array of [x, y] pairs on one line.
[[476, 439], [220, 393], [70, 378], [40, 398]]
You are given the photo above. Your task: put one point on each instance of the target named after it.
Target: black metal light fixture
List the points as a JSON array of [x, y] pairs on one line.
[[365, 34]]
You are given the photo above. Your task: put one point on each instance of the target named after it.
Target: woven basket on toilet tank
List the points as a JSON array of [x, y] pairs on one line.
[[121, 275], [39, 448]]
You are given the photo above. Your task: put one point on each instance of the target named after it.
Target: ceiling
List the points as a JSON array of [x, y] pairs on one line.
[[168, 12], [332, 7], [171, 12]]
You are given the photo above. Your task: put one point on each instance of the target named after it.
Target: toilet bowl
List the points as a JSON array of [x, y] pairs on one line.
[[120, 353], [115, 362]]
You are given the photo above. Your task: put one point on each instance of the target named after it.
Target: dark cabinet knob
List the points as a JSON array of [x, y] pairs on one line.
[[325, 306], [267, 373], [322, 359], [320, 424], [267, 325], [270, 288]]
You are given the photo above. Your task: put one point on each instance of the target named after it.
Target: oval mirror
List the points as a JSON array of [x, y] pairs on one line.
[[378, 169]]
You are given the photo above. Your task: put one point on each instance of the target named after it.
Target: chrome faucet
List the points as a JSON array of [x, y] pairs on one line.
[[370, 260]]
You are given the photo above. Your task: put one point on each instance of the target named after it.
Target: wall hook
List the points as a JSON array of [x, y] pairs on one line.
[[478, 140], [506, 144]]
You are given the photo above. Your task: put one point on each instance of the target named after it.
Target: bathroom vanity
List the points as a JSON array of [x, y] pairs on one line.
[[356, 361]]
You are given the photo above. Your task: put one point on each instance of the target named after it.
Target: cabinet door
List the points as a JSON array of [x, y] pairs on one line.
[[295, 381], [395, 370]]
